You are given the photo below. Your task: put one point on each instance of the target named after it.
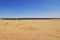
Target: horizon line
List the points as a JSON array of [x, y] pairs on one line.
[[26, 18]]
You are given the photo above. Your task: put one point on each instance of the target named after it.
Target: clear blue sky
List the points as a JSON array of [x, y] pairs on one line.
[[29, 8]]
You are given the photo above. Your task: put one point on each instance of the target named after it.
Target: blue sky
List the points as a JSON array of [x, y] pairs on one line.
[[30, 8]]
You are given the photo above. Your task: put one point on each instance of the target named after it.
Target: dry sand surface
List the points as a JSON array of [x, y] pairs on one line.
[[30, 29]]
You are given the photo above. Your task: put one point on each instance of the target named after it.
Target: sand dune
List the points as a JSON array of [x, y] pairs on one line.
[[30, 29]]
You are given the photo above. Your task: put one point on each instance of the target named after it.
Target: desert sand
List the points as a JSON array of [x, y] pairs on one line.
[[30, 29]]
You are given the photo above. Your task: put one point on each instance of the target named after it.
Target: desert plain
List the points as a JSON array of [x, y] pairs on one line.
[[30, 29]]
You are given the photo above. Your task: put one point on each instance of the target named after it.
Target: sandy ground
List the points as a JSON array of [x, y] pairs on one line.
[[30, 29]]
